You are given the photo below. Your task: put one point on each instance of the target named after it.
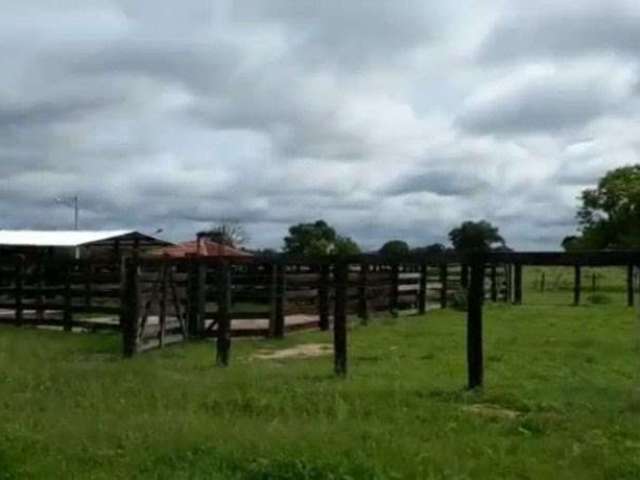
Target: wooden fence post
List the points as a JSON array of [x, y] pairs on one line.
[[444, 288], [475, 363], [38, 285], [323, 297], [395, 287], [494, 283], [130, 307], [280, 299], [517, 284], [363, 291], [422, 290], [18, 291], [508, 290], [162, 317], [341, 276], [543, 281], [197, 299], [630, 293], [577, 284], [464, 275], [68, 301], [87, 284], [223, 341]]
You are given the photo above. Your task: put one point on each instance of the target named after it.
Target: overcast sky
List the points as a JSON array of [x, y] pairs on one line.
[[389, 119]]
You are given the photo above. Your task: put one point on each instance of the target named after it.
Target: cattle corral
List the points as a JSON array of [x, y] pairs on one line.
[[157, 301]]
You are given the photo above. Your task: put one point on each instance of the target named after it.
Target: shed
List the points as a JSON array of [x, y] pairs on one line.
[[78, 243]]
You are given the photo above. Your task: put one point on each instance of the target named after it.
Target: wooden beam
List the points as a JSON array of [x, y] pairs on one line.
[[223, 343], [323, 297], [422, 290], [630, 293], [341, 276], [363, 292], [130, 307], [68, 305], [577, 284], [444, 286], [494, 283], [517, 284], [475, 360], [395, 289]]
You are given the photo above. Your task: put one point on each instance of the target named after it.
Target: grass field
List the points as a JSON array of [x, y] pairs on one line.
[[560, 401]]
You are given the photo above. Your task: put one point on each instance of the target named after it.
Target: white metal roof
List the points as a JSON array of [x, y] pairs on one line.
[[56, 238]]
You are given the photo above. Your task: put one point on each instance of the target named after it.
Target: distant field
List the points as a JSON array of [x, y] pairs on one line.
[[558, 403], [610, 282]]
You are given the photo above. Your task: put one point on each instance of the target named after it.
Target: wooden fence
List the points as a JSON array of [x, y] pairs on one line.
[[158, 301], [68, 295]]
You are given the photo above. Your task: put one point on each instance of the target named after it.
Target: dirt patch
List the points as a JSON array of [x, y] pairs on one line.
[[307, 350], [492, 411]]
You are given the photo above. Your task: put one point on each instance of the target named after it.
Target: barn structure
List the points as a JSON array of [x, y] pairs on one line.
[[82, 244]]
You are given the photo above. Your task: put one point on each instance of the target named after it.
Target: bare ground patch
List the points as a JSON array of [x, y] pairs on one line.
[[308, 350]]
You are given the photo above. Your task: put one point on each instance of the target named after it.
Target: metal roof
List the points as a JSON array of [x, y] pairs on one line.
[[203, 248], [57, 238]]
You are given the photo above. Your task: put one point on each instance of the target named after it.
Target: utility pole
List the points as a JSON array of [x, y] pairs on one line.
[[75, 203]]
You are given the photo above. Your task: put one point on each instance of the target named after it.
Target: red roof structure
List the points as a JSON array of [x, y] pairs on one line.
[[201, 248]]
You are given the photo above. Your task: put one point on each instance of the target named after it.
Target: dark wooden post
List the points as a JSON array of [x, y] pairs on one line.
[[197, 299], [422, 290], [341, 276], [543, 280], [18, 291], [494, 283], [577, 285], [517, 284], [68, 303], [280, 301], [130, 307], [323, 297], [162, 317], [395, 287], [223, 343], [508, 290], [273, 297], [630, 296], [475, 363], [444, 288], [363, 291], [87, 284], [38, 285], [464, 275]]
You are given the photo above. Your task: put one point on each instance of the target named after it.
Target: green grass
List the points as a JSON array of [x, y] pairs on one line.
[[558, 285], [70, 407]]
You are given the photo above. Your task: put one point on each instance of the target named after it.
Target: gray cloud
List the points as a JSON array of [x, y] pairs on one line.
[[565, 29], [388, 119]]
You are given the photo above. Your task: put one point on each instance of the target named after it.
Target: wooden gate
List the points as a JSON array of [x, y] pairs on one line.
[[163, 306]]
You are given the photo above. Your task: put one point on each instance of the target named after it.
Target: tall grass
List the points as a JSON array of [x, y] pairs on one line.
[[557, 403]]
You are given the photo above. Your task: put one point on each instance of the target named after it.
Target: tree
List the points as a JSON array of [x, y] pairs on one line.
[[571, 243], [317, 239], [227, 232], [430, 249], [609, 216], [346, 246], [475, 236], [395, 249]]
